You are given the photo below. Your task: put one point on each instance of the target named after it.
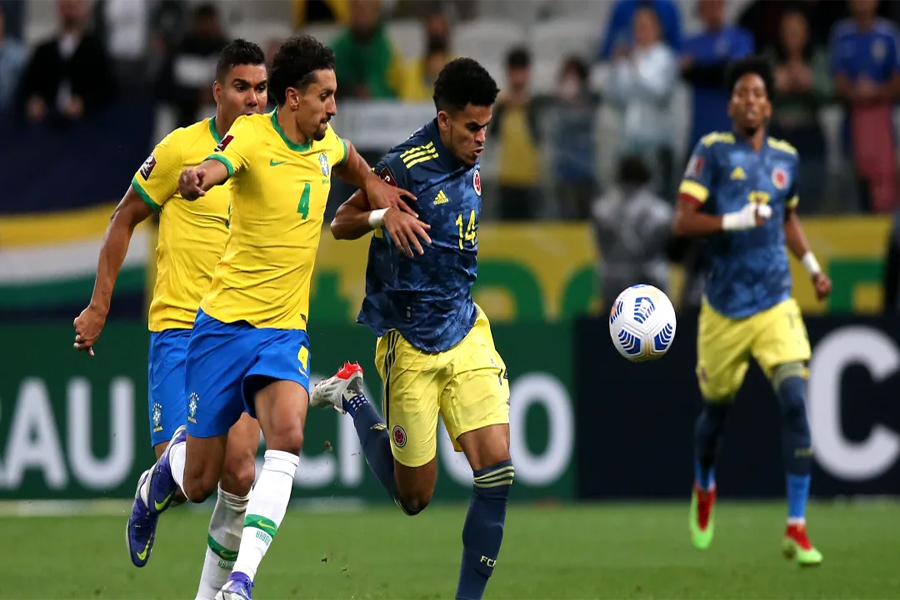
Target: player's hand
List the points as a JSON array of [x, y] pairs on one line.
[[822, 284], [88, 326], [190, 183], [406, 230], [750, 216], [384, 195]]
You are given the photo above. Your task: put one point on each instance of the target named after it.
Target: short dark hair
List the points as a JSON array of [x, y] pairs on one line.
[[633, 171], [518, 58], [238, 52], [756, 65], [461, 82], [296, 63]]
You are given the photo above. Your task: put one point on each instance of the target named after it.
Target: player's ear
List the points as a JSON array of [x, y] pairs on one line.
[[443, 119], [217, 90]]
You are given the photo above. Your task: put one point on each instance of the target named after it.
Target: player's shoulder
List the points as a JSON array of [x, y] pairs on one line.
[[416, 156], [782, 147], [885, 28], [716, 139]]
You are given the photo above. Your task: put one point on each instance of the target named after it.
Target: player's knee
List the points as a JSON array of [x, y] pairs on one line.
[[237, 477], [789, 381], [198, 489], [287, 438], [413, 504]]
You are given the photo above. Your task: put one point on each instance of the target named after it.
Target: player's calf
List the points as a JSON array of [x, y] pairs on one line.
[[789, 381]]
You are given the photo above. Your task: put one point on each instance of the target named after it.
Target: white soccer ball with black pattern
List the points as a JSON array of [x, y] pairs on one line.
[[642, 323]]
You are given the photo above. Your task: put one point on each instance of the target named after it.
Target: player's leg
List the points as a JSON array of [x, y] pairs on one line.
[[166, 411], [227, 522], [782, 349], [276, 390], [475, 409], [401, 449], [193, 459], [722, 359]]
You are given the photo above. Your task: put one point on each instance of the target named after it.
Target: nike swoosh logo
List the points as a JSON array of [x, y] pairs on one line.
[[143, 555], [164, 503], [272, 163], [266, 526]]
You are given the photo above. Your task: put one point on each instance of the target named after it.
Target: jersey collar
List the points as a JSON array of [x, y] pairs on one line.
[[214, 131], [293, 146]]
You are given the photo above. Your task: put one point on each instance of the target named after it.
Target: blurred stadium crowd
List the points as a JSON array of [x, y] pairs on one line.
[[602, 99]]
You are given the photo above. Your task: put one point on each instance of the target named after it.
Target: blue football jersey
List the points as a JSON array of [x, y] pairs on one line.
[[427, 298], [748, 270]]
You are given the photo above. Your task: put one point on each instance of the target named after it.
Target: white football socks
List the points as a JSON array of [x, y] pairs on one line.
[[265, 511], [177, 453], [225, 527]]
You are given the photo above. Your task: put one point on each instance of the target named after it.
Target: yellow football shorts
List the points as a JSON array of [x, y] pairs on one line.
[[467, 385], [724, 346]]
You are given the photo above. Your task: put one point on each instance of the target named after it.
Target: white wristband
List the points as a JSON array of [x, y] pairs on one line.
[[376, 218], [731, 221], [811, 264]]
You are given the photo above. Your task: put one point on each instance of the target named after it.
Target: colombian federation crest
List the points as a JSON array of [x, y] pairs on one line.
[[779, 178], [476, 181], [399, 435], [323, 160]]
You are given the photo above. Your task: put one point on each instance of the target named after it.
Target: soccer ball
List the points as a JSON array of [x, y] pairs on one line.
[[642, 323]]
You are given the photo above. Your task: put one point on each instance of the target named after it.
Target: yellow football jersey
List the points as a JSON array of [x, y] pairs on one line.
[[279, 194], [192, 235]]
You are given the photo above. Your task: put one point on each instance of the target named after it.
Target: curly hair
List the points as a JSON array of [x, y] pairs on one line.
[[462, 82], [756, 65], [295, 65]]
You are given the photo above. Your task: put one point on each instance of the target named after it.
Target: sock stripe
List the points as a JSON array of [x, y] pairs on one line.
[[508, 471], [221, 551], [262, 523]]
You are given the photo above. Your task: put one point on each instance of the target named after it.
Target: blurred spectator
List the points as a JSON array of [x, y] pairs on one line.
[[619, 27], [762, 18], [704, 62], [271, 48], [867, 78], [13, 15], [187, 79], [641, 84], [802, 85], [125, 28], [574, 153], [320, 11], [68, 76], [515, 126], [422, 73], [12, 61], [436, 26], [632, 227], [368, 64]]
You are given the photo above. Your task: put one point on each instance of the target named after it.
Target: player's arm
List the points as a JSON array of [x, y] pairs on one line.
[[355, 218], [796, 242], [131, 211], [381, 195]]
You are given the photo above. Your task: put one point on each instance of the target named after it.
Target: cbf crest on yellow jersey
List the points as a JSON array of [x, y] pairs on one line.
[[279, 194], [192, 235]]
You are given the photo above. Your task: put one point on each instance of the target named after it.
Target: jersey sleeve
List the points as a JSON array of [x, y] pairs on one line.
[[392, 170], [157, 179], [699, 179], [235, 151]]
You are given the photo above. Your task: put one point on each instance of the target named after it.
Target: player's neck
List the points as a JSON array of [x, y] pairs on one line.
[[289, 127], [755, 139], [222, 125]]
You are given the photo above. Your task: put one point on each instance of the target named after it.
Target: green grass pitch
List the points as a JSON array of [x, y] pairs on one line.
[[579, 551]]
